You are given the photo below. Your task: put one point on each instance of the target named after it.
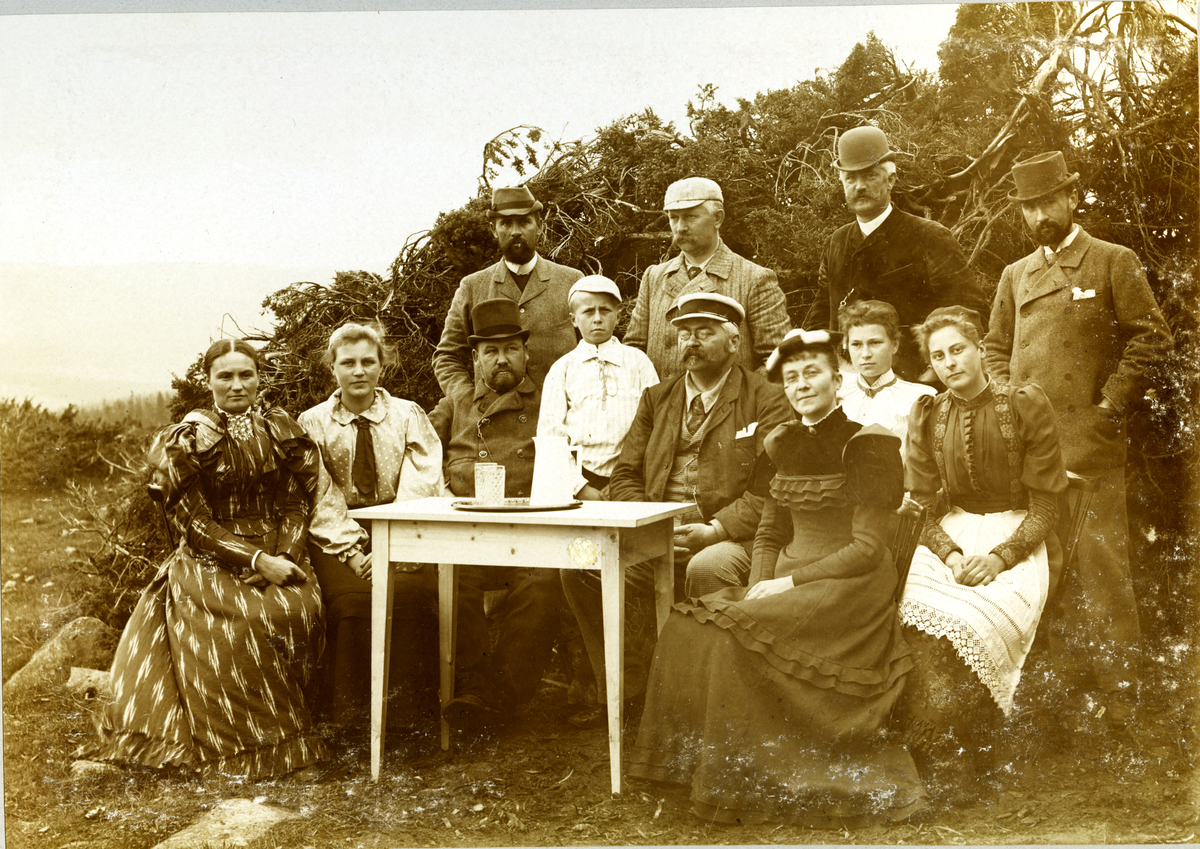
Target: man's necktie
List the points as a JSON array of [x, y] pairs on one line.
[[693, 271], [695, 416], [364, 460]]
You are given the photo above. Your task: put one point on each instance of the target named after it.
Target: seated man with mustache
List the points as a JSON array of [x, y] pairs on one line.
[[538, 286], [496, 423]]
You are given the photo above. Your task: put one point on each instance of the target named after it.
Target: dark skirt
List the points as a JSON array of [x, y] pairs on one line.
[[210, 674], [757, 746]]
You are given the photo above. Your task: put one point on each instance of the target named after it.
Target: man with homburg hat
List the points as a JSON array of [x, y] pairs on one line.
[[495, 423], [1077, 318], [695, 209], [885, 254], [538, 286], [694, 440]]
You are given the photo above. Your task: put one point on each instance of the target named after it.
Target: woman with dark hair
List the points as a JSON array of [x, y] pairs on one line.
[[211, 668], [771, 700], [375, 449], [981, 574]]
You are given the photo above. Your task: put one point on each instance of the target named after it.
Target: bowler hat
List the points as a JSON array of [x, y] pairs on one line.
[[861, 148], [517, 200], [495, 319], [691, 191], [706, 305], [1041, 175], [800, 340]]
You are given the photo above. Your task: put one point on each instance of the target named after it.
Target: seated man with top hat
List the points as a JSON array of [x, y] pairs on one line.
[[886, 254], [694, 440], [496, 423], [538, 286]]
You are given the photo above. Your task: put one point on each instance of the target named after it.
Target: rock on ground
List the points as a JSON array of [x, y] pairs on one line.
[[85, 642], [234, 822]]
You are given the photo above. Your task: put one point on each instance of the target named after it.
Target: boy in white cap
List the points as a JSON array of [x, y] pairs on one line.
[[591, 394]]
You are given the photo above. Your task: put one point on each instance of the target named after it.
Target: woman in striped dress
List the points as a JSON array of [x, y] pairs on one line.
[[210, 670]]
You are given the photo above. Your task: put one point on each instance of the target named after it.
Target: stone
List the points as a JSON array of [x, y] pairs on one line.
[[93, 770], [84, 642], [233, 822], [88, 683]]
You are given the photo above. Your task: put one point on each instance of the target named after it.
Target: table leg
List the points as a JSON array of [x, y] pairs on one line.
[[447, 637], [382, 586], [664, 576], [612, 590]]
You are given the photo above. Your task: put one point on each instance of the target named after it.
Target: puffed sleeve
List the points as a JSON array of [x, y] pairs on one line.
[[331, 528], [174, 457], [1042, 473], [921, 476], [874, 471], [421, 470], [298, 454]]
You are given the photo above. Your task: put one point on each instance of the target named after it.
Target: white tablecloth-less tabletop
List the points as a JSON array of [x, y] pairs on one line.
[[603, 535]]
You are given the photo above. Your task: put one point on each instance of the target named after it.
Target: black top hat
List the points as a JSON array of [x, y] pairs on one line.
[[496, 319], [1041, 175]]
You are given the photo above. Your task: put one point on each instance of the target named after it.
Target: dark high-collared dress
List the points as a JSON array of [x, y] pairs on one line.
[[773, 709], [210, 670]]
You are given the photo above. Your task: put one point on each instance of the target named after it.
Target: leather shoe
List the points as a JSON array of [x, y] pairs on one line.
[[469, 712]]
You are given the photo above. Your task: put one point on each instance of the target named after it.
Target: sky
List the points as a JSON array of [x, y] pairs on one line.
[[163, 173]]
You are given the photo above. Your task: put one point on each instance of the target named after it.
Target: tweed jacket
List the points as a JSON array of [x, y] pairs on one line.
[[910, 262], [1084, 328], [492, 428], [543, 312], [754, 287], [747, 409]]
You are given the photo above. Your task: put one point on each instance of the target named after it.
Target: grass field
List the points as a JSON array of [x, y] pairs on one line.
[[1063, 776]]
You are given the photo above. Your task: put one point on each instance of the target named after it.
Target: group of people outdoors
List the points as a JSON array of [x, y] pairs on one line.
[[796, 679]]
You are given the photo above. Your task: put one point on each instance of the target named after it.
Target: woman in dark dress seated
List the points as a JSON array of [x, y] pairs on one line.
[[211, 668], [771, 700], [980, 577]]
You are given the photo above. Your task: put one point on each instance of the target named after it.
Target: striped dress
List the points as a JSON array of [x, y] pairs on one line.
[[210, 671]]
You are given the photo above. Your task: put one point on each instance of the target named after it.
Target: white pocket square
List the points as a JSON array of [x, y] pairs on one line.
[[1078, 294], [748, 430]]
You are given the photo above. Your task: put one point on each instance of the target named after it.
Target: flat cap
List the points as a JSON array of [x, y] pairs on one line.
[[691, 191]]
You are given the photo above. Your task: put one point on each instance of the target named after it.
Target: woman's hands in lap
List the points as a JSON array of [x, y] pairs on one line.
[[279, 570], [978, 570], [770, 587]]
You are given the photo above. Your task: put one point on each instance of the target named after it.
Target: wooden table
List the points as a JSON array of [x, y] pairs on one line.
[[603, 535]]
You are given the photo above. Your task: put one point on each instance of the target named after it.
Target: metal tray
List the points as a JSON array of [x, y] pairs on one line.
[[511, 505]]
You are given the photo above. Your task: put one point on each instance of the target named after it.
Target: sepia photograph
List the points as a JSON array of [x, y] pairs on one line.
[[531, 423]]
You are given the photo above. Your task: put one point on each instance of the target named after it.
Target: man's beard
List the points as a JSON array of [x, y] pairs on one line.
[[502, 380], [517, 251], [1051, 235]]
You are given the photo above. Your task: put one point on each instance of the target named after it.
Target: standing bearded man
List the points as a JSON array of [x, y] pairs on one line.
[[538, 286], [1077, 318]]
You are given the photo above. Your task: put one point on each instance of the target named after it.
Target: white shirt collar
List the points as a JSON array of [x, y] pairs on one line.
[[709, 396], [520, 270], [1063, 245], [606, 351], [377, 412], [882, 380], [869, 227]]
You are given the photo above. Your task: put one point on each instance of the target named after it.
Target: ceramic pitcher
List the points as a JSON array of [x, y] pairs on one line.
[[555, 468]]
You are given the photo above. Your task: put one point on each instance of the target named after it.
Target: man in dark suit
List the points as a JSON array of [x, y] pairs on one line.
[[694, 440], [538, 285], [888, 255], [495, 422], [1077, 317]]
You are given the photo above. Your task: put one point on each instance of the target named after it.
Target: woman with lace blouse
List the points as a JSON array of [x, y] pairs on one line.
[[211, 668], [981, 574]]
